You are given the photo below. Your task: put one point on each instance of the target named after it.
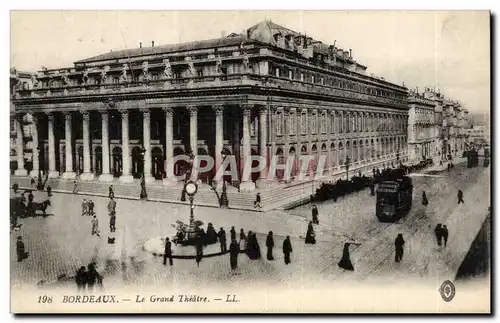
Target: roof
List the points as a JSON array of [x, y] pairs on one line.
[[265, 30], [164, 49]]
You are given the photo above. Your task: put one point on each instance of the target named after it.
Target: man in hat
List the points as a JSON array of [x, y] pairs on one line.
[[21, 254], [168, 253]]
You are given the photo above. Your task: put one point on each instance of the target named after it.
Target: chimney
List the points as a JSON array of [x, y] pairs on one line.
[[223, 34], [140, 45], [153, 43], [350, 53]]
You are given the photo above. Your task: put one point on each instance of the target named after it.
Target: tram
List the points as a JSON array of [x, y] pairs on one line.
[[394, 199]]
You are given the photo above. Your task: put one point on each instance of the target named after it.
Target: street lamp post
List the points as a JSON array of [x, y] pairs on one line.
[[191, 188], [347, 164], [40, 182], [144, 194], [223, 197]]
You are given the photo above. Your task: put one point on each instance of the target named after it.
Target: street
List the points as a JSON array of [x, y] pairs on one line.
[[60, 243]]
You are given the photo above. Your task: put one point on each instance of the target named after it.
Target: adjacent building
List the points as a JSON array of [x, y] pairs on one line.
[[20, 80], [268, 91], [421, 127]]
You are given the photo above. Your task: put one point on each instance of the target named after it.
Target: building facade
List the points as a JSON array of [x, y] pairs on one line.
[[269, 91], [421, 127], [20, 80]]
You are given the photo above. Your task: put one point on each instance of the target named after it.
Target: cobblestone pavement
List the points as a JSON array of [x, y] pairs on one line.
[[60, 243]]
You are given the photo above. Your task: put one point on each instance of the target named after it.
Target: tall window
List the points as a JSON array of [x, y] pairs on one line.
[[302, 77], [279, 123], [277, 72], [290, 74], [293, 123], [303, 123]]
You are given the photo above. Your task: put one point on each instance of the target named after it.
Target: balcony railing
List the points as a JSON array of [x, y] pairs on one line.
[[203, 82]]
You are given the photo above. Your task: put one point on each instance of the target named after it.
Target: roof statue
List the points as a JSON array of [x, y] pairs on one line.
[[34, 81], [218, 66], [145, 71], [85, 77], [246, 64], [124, 76], [104, 76], [167, 72]]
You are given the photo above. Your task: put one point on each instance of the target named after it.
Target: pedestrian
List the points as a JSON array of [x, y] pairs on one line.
[[111, 193], [234, 250], [310, 235], [233, 233], [112, 222], [222, 240], [438, 232], [23, 198], [243, 241], [445, 234], [30, 197], [32, 181], [20, 250], [90, 207], [460, 196], [199, 250], [84, 207], [256, 204], [372, 188], [315, 214], [75, 187], [111, 205], [95, 226], [49, 190], [399, 243], [287, 249], [81, 279], [168, 253], [345, 262], [425, 202], [270, 245], [93, 277], [211, 234]]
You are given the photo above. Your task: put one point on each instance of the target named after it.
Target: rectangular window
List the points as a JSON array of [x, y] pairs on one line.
[[277, 71], [290, 75], [200, 72], [312, 79], [302, 77], [322, 81]]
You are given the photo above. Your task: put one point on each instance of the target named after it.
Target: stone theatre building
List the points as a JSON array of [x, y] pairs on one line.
[[269, 91]]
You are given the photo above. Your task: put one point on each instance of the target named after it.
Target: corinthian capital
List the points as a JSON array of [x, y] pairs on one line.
[[169, 112], [193, 110], [219, 108]]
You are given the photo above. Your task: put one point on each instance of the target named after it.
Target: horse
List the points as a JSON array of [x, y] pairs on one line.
[[35, 206]]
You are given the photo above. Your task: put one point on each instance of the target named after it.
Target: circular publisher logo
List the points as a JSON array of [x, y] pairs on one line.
[[447, 291]]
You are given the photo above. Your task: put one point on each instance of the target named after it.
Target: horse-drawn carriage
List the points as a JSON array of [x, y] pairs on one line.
[[19, 209]]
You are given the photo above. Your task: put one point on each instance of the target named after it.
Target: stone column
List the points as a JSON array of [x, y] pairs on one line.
[[169, 143], [20, 171], [219, 135], [126, 177], [246, 184], [263, 181], [36, 147], [193, 136], [146, 132], [86, 175], [193, 129], [105, 176], [69, 173], [53, 173]]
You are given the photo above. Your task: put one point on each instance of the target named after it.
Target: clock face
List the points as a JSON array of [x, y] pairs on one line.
[[191, 188]]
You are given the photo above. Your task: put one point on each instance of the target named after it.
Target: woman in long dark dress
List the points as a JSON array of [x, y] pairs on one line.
[[310, 235], [425, 202], [345, 262], [211, 237], [287, 249], [243, 241], [256, 246], [234, 250], [270, 246]]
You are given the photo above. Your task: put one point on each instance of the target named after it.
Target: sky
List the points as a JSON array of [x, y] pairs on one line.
[[448, 50]]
